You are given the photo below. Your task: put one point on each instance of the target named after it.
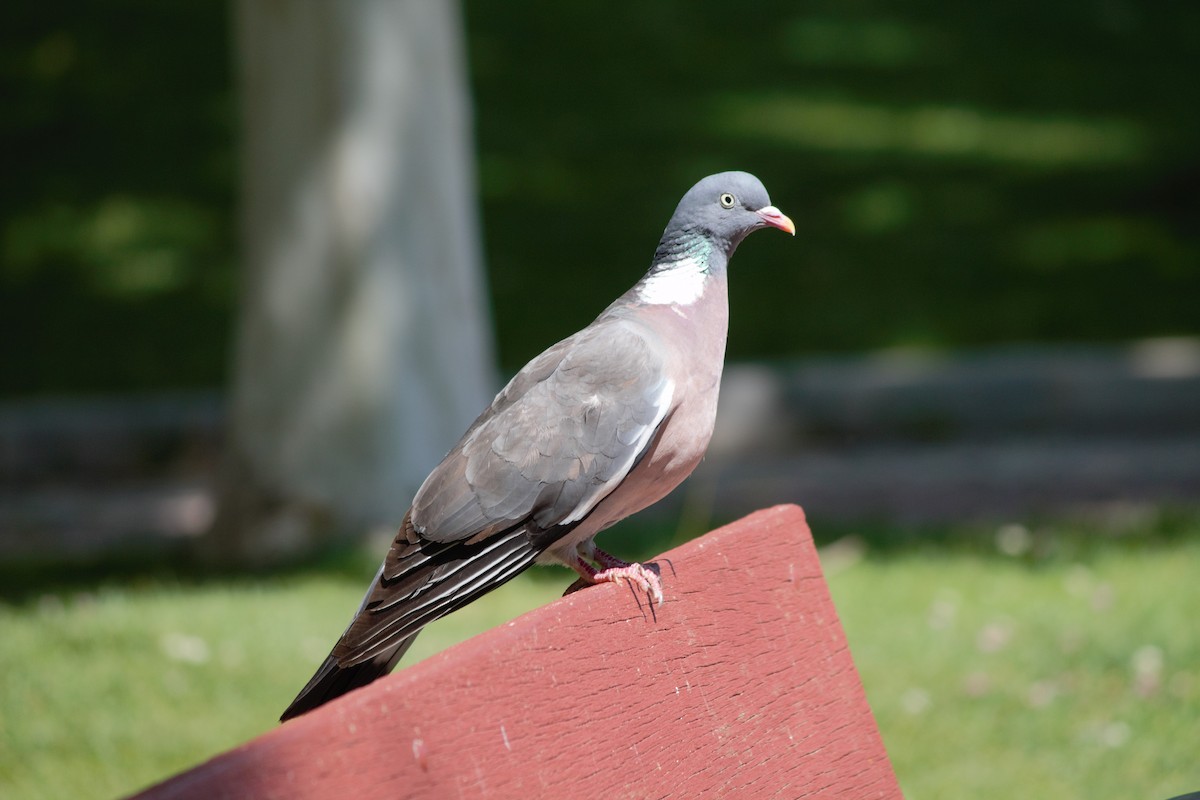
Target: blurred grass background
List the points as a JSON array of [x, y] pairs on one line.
[[961, 175]]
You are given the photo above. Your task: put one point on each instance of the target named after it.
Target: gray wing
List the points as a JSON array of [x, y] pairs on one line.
[[554, 443], [557, 440]]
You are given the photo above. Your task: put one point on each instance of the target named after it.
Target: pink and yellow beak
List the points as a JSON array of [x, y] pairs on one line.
[[777, 219]]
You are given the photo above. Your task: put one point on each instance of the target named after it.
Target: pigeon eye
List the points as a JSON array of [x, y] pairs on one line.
[[727, 200]]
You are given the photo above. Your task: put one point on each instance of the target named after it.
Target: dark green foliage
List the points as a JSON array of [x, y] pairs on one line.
[[116, 264], [960, 175]]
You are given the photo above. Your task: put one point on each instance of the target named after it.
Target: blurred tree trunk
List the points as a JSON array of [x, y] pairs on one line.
[[363, 344]]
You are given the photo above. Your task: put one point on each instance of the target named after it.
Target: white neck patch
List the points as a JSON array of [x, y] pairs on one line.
[[681, 283]]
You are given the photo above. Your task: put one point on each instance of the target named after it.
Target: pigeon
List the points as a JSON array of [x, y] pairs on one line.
[[599, 426]]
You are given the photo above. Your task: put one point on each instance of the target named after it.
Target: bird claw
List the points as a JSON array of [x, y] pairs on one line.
[[642, 577], [612, 570]]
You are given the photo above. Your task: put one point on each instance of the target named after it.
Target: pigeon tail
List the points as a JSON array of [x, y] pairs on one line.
[[432, 580], [332, 681]]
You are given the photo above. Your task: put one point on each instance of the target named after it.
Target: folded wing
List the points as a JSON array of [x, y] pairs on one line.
[[556, 441]]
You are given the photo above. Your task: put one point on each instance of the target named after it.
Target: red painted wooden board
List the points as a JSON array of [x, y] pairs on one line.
[[740, 685]]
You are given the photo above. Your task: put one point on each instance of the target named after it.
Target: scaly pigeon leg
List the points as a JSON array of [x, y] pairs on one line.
[[606, 560], [614, 569]]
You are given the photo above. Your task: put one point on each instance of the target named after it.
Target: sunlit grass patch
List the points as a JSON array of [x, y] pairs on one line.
[[1078, 676], [108, 690], [845, 124]]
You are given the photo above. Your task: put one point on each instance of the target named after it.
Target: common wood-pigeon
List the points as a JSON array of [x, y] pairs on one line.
[[601, 425]]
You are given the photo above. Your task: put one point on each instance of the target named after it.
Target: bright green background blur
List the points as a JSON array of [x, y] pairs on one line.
[[960, 173]]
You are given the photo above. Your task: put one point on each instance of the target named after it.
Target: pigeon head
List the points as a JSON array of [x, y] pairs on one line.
[[708, 224], [722, 209]]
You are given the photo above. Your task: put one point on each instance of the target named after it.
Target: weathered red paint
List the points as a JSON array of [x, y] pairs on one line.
[[739, 686]]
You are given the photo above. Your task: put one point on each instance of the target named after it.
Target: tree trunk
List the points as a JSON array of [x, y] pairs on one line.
[[363, 344]]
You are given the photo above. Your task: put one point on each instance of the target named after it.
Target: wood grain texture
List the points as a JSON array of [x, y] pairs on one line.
[[739, 685]]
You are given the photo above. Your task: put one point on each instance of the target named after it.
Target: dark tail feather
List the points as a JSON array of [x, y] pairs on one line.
[[332, 681]]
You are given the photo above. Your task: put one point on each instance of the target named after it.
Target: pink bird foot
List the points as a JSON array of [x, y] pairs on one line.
[[640, 576], [614, 569]]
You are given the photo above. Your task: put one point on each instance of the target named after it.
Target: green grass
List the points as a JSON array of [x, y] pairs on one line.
[[106, 691], [1067, 670], [993, 678]]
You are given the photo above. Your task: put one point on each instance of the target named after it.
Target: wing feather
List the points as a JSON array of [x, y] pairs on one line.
[[555, 442]]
